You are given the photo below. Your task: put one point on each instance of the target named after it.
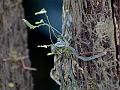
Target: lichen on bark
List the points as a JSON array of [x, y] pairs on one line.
[[90, 24]]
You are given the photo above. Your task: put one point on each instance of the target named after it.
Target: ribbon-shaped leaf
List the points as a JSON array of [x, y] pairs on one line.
[[29, 24], [40, 22], [42, 11]]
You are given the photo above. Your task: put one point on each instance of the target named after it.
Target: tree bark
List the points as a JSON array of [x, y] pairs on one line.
[[13, 47], [90, 24], [116, 6]]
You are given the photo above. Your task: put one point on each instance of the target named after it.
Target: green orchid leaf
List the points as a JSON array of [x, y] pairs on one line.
[[42, 11], [40, 22], [44, 46], [50, 54], [29, 24]]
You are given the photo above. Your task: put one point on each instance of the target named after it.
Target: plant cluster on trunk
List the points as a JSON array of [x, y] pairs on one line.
[[90, 26]]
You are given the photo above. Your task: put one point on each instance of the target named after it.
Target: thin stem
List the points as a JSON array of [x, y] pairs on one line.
[[49, 24]]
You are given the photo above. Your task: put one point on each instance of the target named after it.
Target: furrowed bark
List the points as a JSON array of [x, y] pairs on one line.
[[90, 24], [116, 7], [13, 47]]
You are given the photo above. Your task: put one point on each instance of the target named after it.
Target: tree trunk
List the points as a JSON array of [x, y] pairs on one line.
[[90, 24], [117, 26], [13, 47]]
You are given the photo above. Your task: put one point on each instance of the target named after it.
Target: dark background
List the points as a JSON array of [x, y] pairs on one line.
[[40, 36]]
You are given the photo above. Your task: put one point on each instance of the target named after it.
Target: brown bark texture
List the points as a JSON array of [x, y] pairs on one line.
[[89, 25], [13, 47]]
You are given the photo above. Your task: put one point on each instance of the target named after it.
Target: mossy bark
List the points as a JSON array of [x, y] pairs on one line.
[[13, 47], [90, 24]]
